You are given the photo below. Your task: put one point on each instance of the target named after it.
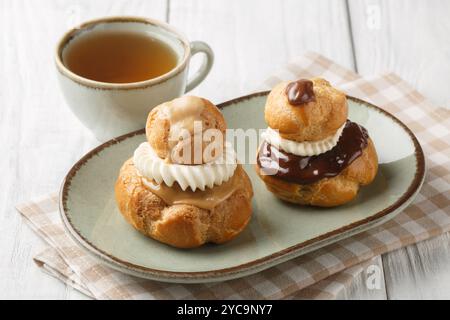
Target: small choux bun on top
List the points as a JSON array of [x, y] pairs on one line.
[[183, 186], [169, 123], [311, 154], [318, 117]]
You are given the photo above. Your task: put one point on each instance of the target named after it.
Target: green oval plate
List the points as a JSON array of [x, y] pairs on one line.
[[277, 232]]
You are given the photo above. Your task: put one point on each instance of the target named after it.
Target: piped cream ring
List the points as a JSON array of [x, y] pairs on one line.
[[305, 148], [150, 166]]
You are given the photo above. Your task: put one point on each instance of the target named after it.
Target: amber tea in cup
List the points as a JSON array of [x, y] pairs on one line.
[[119, 56]]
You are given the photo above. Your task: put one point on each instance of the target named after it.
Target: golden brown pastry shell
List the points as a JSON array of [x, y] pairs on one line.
[[182, 225], [328, 192], [312, 121], [158, 128]]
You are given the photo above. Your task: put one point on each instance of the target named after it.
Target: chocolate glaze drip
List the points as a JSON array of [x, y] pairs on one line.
[[310, 169], [300, 92]]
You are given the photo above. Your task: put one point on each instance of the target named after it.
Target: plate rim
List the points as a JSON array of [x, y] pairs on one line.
[[159, 274]]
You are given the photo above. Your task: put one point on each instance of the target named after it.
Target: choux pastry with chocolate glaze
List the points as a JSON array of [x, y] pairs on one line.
[[311, 153], [319, 117], [180, 204]]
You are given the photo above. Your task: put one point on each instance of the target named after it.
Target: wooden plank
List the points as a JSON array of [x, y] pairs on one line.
[[420, 271], [40, 137], [411, 39], [253, 38], [408, 37]]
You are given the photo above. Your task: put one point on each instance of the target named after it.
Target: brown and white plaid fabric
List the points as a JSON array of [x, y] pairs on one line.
[[319, 274]]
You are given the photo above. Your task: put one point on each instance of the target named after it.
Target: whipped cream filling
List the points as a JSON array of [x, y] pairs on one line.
[[305, 148], [152, 167]]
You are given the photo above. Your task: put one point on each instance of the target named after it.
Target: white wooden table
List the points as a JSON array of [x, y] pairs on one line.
[[41, 139]]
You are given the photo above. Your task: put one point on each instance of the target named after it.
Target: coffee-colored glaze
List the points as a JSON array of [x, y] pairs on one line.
[[182, 114], [207, 199], [300, 92], [310, 169]]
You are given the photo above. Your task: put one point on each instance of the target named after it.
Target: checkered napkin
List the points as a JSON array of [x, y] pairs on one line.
[[319, 274]]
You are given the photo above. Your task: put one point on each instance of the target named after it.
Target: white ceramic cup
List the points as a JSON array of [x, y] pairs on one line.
[[113, 109]]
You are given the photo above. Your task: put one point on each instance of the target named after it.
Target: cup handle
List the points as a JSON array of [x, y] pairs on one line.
[[202, 72]]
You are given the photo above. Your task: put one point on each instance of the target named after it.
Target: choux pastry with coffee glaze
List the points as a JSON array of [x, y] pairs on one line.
[[169, 193], [311, 153], [167, 119]]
